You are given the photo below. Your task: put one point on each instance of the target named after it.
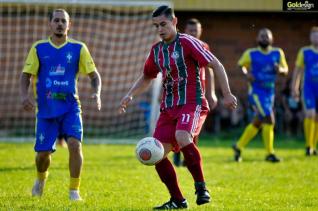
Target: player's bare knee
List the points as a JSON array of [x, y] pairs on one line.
[[74, 145], [43, 155], [183, 138]]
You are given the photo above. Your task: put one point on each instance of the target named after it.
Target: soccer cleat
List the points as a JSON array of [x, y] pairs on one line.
[[173, 205], [75, 196], [203, 195], [272, 158], [309, 152], [314, 152], [237, 153], [38, 187]]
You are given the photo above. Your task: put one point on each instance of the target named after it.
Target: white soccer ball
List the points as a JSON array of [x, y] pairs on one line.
[[149, 151]]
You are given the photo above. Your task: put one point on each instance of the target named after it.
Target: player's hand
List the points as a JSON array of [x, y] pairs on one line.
[[213, 101], [230, 101], [96, 97], [124, 103], [27, 104]]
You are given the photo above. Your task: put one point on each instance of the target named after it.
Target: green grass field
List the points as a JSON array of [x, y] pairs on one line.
[[113, 179]]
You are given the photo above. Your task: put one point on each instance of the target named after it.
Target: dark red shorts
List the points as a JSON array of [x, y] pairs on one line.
[[188, 117]]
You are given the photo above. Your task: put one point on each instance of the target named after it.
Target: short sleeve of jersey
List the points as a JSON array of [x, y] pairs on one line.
[[198, 51], [300, 59], [150, 68], [31, 64], [282, 61], [245, 60], [86, 63]]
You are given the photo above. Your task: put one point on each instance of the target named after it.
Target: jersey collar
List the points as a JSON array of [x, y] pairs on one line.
[[314, 49], [60, 46], [265, 52]]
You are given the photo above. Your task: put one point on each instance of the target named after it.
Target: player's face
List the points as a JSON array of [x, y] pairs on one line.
[[314, 38], [265, 38], [194, 30], [60, 24], [166, 28]]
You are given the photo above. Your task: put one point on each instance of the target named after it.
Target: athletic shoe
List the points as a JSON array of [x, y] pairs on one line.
[[38, 187], [202, 193], [237, 153], [309, 152], [272, 158], [314, 152], [173, 205], [75, 196]]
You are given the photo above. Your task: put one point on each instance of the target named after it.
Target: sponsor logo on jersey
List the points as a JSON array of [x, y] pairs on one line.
[[56, 95], [57, 70], [60, 83], [48, 83]]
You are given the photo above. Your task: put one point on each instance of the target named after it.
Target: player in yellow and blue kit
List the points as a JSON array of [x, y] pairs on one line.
[[307, 69], [55, 64], [261, 66]]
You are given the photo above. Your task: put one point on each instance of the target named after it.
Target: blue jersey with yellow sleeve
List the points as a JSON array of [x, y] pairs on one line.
[[55, 70], [261, 64], [307, 59]]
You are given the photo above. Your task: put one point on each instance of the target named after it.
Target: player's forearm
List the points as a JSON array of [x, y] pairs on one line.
[[209, 83], [221, 75], [24, 84], [96, 82], [141, 84], [296, 80]]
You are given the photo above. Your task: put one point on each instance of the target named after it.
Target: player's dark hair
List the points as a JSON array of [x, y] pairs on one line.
[[58, 10], [164, 10], [192, 21]]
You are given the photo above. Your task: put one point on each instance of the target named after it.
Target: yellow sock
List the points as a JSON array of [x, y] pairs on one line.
[[248, 134], [268, 137], [42, 175], [75, 183], [309, 129], [316, 135]]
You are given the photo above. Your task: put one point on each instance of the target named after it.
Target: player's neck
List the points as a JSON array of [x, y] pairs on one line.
[[171, 39], [58, 40], [266, 49]]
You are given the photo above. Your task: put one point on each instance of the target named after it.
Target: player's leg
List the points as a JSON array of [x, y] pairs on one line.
[[268, 138], [309, 104], [46, 132], [61, 141], [72, 127], [164, 132], [315, 135], [190, 121], [251, 130], [266, 104]]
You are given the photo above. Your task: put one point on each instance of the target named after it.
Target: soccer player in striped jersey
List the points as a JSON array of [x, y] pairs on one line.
[[193, 27], [179, 57], [307, 70], [54, 64], [260, 66]]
